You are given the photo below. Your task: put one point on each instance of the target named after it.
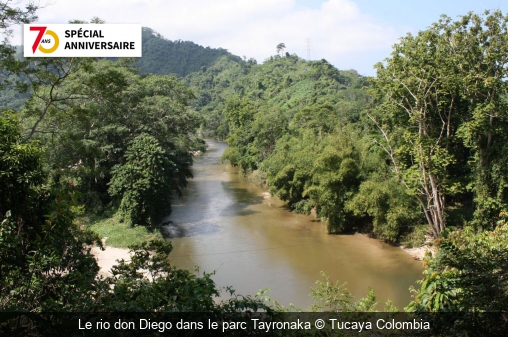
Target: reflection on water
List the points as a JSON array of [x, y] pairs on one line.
[[225, 224]]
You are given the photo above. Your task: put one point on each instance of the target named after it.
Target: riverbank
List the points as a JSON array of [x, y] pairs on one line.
[[107, 258], [118, 234], [418, 253], [116, 238]]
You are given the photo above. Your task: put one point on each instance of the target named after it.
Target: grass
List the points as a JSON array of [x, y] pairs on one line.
[[119, 234]]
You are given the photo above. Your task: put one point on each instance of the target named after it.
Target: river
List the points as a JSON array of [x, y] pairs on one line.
[[225, 223]]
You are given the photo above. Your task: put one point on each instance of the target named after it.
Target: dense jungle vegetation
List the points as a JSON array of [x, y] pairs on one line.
[[419, 149], [180, 58]]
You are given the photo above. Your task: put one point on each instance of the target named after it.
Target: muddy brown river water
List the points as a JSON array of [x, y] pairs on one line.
[[225, 223]]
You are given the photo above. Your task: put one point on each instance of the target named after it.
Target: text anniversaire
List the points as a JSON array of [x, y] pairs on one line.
[[82, 40], [99, 45]]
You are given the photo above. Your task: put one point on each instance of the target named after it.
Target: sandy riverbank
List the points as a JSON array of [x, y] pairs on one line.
[[417, 253], [107, 258]]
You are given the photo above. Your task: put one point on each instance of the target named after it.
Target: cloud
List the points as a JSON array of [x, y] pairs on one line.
[[337, 28]]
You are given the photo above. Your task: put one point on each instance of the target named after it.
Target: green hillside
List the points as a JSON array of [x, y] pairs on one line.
[[285, 84], [165, 57]]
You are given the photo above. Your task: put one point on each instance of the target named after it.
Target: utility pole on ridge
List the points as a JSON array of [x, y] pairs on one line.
[[307, 45]]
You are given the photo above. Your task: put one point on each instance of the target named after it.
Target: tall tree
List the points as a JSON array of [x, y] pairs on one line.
[[21, 174], [443, 102], [280, 48], [144, 182], [483, 44]]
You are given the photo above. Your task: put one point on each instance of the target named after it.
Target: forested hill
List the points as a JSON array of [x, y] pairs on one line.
[[164, 57], [282, 85]]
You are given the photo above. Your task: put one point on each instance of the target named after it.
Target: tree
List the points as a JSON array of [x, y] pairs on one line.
[[144, 183], [46, 79], [335, 179], [21, 173], [280, 48], [440, 92], [11, 15], [43, 260], [483, 45], [467, 280], [239, 114], [386, 202]]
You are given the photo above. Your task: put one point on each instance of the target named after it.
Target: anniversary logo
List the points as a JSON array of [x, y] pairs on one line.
[[83, 40]]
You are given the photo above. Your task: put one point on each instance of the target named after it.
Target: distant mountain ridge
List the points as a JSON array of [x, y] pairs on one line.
[[163, 57]]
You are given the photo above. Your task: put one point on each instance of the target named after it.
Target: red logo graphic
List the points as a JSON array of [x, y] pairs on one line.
[[44, 31]]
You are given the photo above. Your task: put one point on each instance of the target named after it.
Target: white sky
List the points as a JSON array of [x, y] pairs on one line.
[[351, 34]]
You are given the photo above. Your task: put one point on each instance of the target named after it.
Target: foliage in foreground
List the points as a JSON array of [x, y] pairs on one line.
[[468, 274], [334, 296]]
